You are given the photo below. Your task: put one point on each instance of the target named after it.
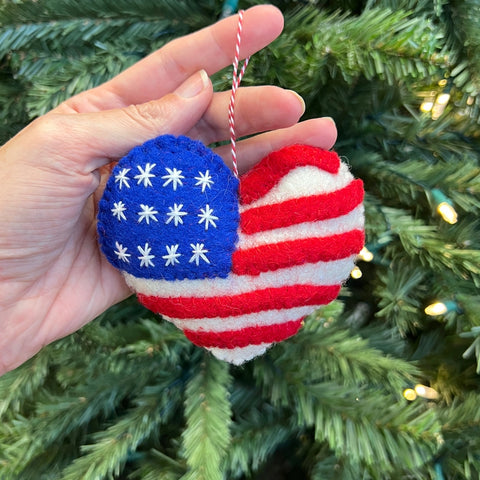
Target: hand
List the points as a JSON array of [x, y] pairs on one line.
[[53, 278]]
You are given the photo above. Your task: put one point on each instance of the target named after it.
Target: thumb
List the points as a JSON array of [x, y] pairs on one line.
[[91, 140]]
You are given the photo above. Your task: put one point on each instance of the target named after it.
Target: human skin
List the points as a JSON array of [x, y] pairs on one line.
[[53, 277]]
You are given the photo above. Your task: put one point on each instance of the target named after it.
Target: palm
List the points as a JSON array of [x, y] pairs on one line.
[[57, 278]]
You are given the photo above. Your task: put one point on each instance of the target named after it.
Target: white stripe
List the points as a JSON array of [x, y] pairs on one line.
[[304, 182], [333, 226], [318, 274], [239, 355], [258, 319]]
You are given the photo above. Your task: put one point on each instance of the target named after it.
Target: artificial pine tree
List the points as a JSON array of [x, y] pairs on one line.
[[373, 387]]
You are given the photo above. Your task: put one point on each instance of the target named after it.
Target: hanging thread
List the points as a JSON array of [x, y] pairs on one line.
[[236, 79]]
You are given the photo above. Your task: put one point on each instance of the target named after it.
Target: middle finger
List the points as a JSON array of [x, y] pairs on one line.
[[258, 109]]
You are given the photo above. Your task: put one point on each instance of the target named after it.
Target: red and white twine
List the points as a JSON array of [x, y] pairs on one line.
[[236, 79]]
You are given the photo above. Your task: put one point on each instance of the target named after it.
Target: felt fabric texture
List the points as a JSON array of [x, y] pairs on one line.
[[246, 336], [271, 257], [222, 324], [170, 211], [314, 274], [255, 301], [277, 165], [299, 210], [236, 268]]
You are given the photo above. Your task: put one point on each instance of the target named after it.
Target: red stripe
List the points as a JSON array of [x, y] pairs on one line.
[[251, 302], [270, 257], [245, 336], [304, 209], [266, 174]]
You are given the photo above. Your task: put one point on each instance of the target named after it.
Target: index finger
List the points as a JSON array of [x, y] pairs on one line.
[[211, 49]]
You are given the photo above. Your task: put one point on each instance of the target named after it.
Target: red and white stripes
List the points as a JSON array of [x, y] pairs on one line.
[[300, 230]]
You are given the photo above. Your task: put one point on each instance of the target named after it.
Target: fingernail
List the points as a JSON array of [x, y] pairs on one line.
[[330, 119], [300, 100], [193, 85]]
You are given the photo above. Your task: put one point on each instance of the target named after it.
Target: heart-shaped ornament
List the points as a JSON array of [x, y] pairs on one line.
[[236, 265]]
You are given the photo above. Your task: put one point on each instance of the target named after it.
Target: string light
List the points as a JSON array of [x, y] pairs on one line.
[[442, 99], [439, 107], [356, 273], [410, 394], [426, 106], [440, 308], [444, 206], [420, 390], [426, 392], [437, 308], [447, 212], [365, 254], [428, 103], [434, 103]]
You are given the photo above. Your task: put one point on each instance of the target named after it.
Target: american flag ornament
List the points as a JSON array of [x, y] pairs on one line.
[[237, 264]]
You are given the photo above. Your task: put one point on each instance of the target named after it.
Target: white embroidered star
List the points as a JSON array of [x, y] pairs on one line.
[[145, 257], [207, 217], [199, 252], [204, 180], [117, 211], [122, 179], [174, 177], [121, 252], [175, 214], [147, 214], [172, 255], [145, 175]]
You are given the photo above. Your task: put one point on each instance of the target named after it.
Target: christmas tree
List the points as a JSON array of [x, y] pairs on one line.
[[381, 384]]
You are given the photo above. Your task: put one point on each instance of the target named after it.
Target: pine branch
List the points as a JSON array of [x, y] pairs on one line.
[[18, 386], [474, 349], [84, 36], [58, 416], [255, 436], [378, 43], [343, 357], [156, 465], [463, 38], [361, 425], [326, 467], [409, 183], [401, 293], [30, 11], [422, 242], [375, 437], [461, 433], [57, 49], [207, 410], [13, 114], [111, 448]]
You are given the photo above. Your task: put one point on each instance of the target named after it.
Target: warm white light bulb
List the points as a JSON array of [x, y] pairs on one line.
[[356, 273], [437, 308], [443, 99], [447, 212], [366, 255], [426, 392], [410, 394], [426, 106]]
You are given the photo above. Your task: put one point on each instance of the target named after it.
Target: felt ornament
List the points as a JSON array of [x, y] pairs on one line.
[[237, 264]]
